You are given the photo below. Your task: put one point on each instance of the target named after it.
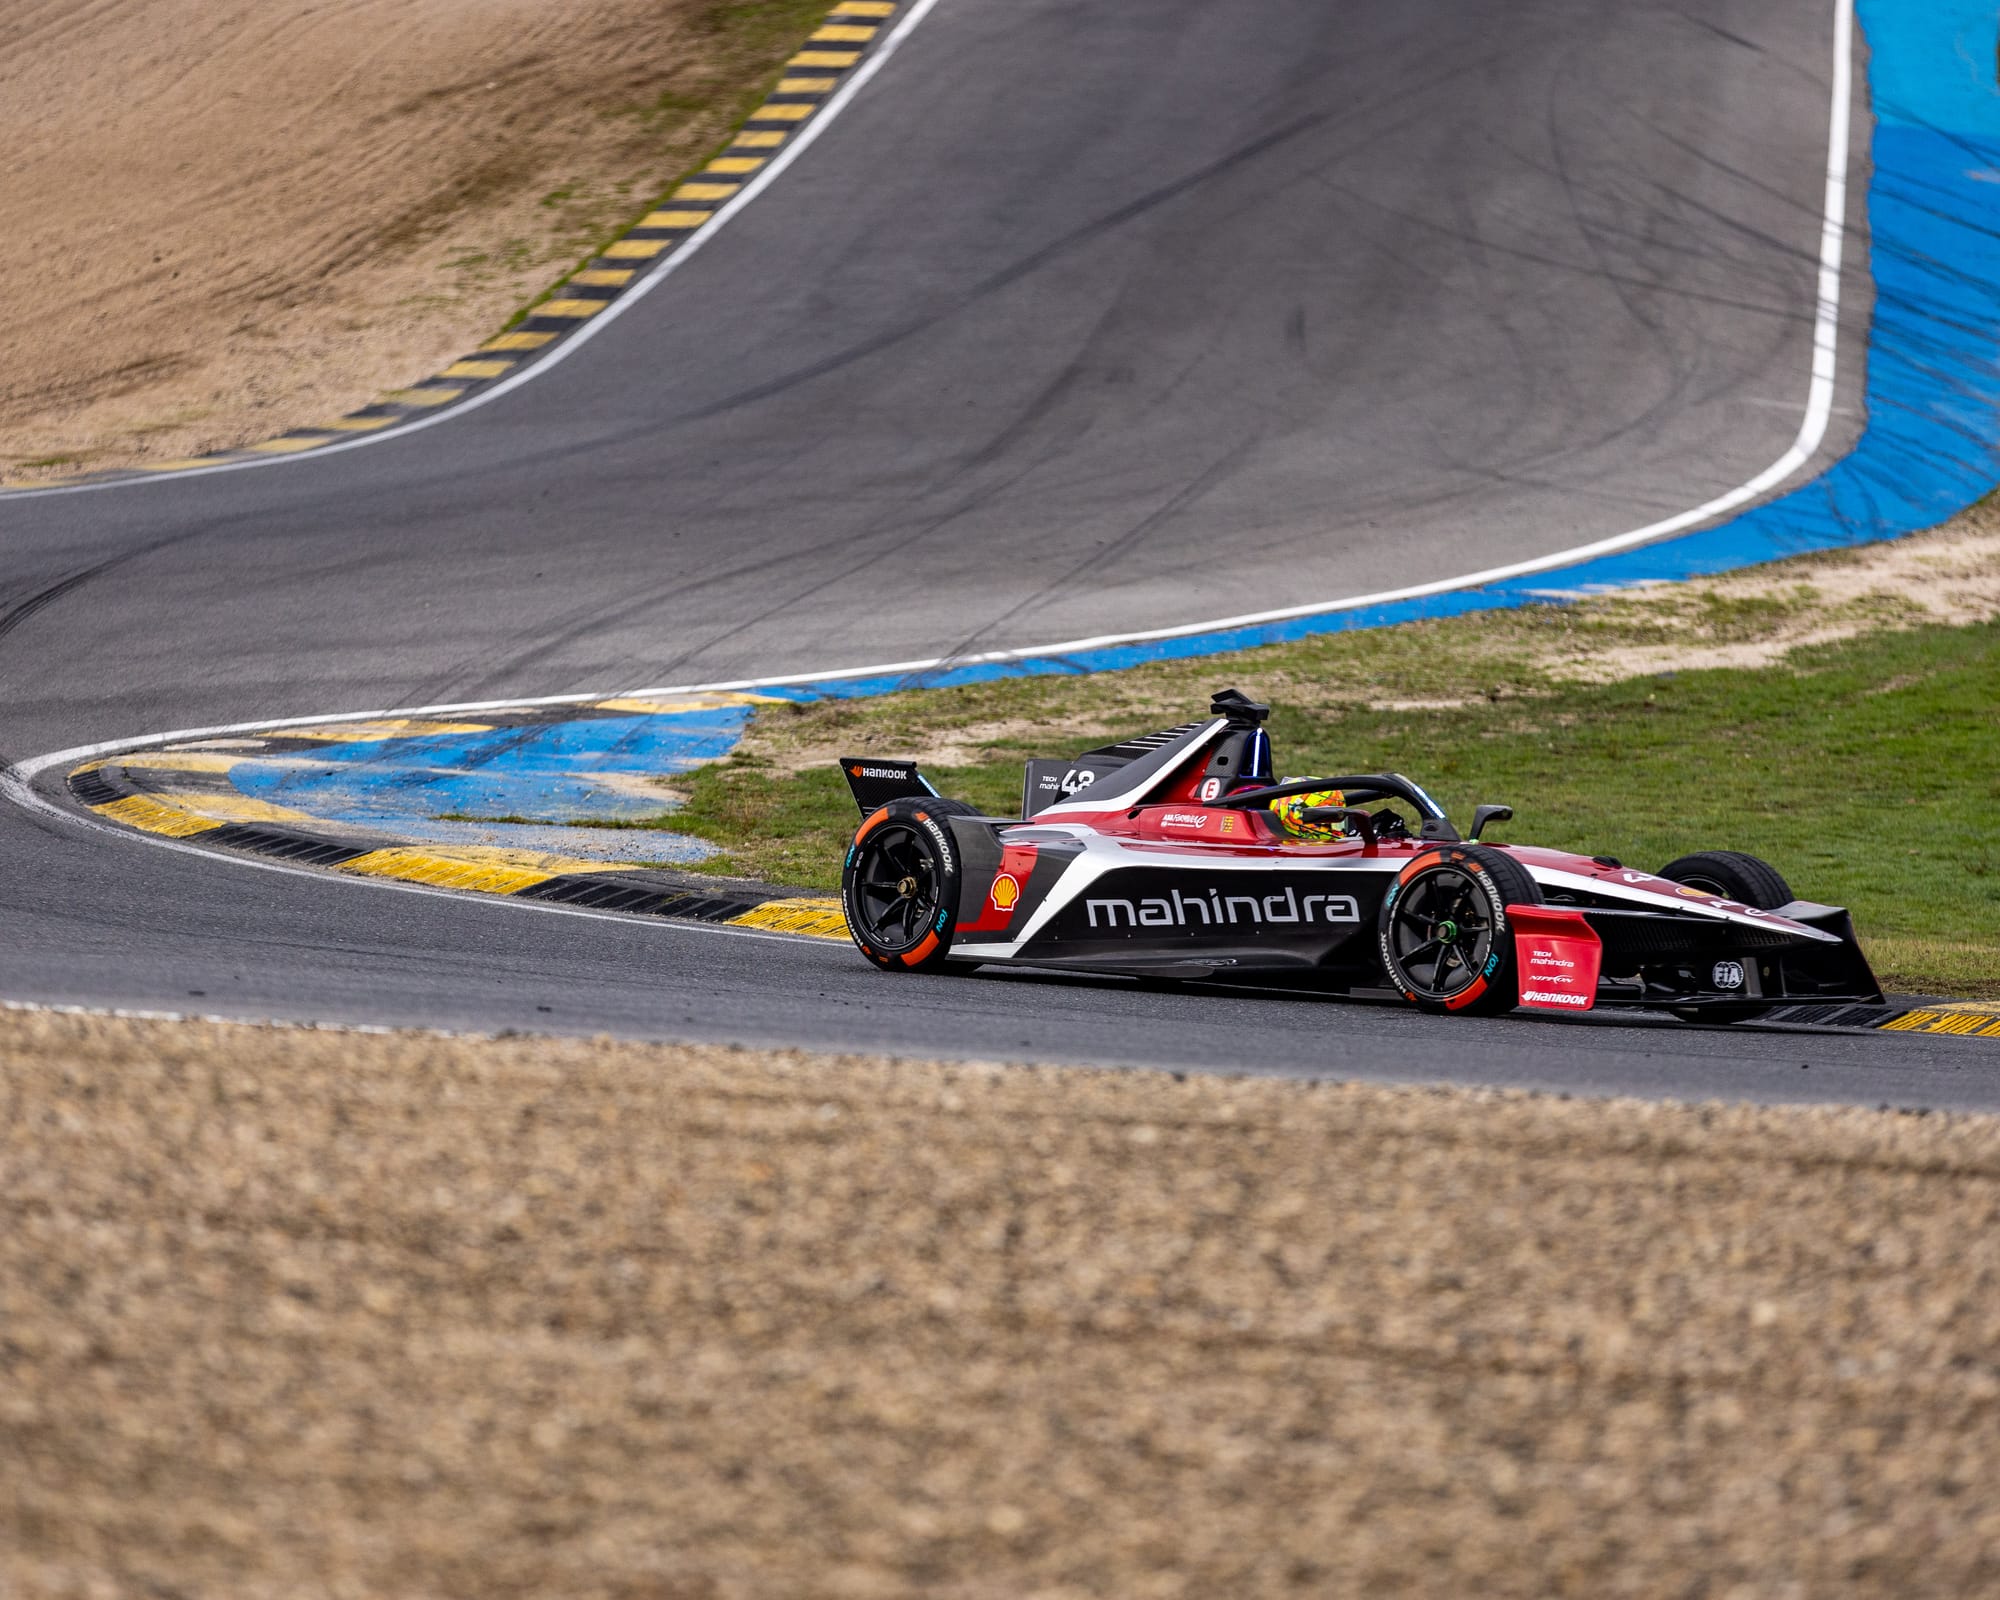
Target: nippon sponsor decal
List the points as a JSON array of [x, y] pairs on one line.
[[1213, 908]]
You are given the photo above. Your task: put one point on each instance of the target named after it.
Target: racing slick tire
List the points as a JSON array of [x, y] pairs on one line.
[[1443, 930], [1732, 875], [899, 887]]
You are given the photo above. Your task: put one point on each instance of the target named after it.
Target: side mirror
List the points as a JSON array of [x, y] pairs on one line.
[[1486, 814]]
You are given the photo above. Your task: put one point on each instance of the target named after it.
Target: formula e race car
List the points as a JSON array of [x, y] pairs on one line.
[[1177, 855]]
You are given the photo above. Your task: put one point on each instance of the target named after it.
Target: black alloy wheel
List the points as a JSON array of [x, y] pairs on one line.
[[896, 888], [899, 889], [1444, 934]]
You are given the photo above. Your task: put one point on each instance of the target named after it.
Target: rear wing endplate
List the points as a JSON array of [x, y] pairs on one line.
[[875, 782]]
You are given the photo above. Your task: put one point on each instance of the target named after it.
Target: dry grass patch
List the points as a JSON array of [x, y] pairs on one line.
[[313, 1313], [232, 217]]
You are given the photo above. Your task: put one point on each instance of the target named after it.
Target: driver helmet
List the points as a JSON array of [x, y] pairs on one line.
[[1289, 812]]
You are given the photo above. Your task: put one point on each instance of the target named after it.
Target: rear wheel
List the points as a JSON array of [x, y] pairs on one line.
[[1732, 875], [899, 888], [1443, 929]]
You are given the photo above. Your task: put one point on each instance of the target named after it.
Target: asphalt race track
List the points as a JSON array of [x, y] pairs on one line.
[[1079, 319]]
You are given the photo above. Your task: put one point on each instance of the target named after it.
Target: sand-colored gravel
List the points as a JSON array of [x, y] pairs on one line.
[[225, 218], [309, 1313], [1949, 575]]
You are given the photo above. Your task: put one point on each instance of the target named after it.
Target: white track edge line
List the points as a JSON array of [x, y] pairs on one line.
[[802, 141]]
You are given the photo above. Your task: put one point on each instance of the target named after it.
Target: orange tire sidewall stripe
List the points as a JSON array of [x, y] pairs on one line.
[[1459, 1002], [1418, 865]]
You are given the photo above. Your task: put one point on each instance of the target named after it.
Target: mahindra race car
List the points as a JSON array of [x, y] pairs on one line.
[[1162, 858]]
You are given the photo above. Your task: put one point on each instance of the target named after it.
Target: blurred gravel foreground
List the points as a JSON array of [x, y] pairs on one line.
[[297, 1313]]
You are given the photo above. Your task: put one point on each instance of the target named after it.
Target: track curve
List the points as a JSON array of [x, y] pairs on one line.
[[1080, 318]]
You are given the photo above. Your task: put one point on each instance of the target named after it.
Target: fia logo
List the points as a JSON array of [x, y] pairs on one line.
[[1727, 975]]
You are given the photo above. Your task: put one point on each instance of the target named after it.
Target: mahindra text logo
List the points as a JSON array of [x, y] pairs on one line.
[[1540, 960], [1216, 909]]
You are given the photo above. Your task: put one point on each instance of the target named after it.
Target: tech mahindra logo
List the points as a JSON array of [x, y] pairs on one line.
[[1218, 910]]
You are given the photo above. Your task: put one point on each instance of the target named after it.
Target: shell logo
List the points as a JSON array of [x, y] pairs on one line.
[[1006, 892]]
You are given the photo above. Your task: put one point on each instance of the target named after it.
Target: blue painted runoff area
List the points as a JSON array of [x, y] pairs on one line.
[[552, 773], [1931, 447]]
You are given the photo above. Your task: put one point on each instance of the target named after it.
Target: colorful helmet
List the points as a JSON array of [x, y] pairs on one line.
[[1288, 813]]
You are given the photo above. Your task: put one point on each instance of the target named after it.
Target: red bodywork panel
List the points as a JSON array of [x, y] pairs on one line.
[[1017, 865], [1558, 954]]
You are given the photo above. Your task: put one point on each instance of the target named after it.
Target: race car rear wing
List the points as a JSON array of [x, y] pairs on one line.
[[875, 781]]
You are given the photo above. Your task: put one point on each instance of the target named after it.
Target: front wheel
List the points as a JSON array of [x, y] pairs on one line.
[[1444, 934], [1732, 875], [899, 887]]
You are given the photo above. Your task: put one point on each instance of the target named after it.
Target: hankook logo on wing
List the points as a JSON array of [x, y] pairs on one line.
[[1211, 908]]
